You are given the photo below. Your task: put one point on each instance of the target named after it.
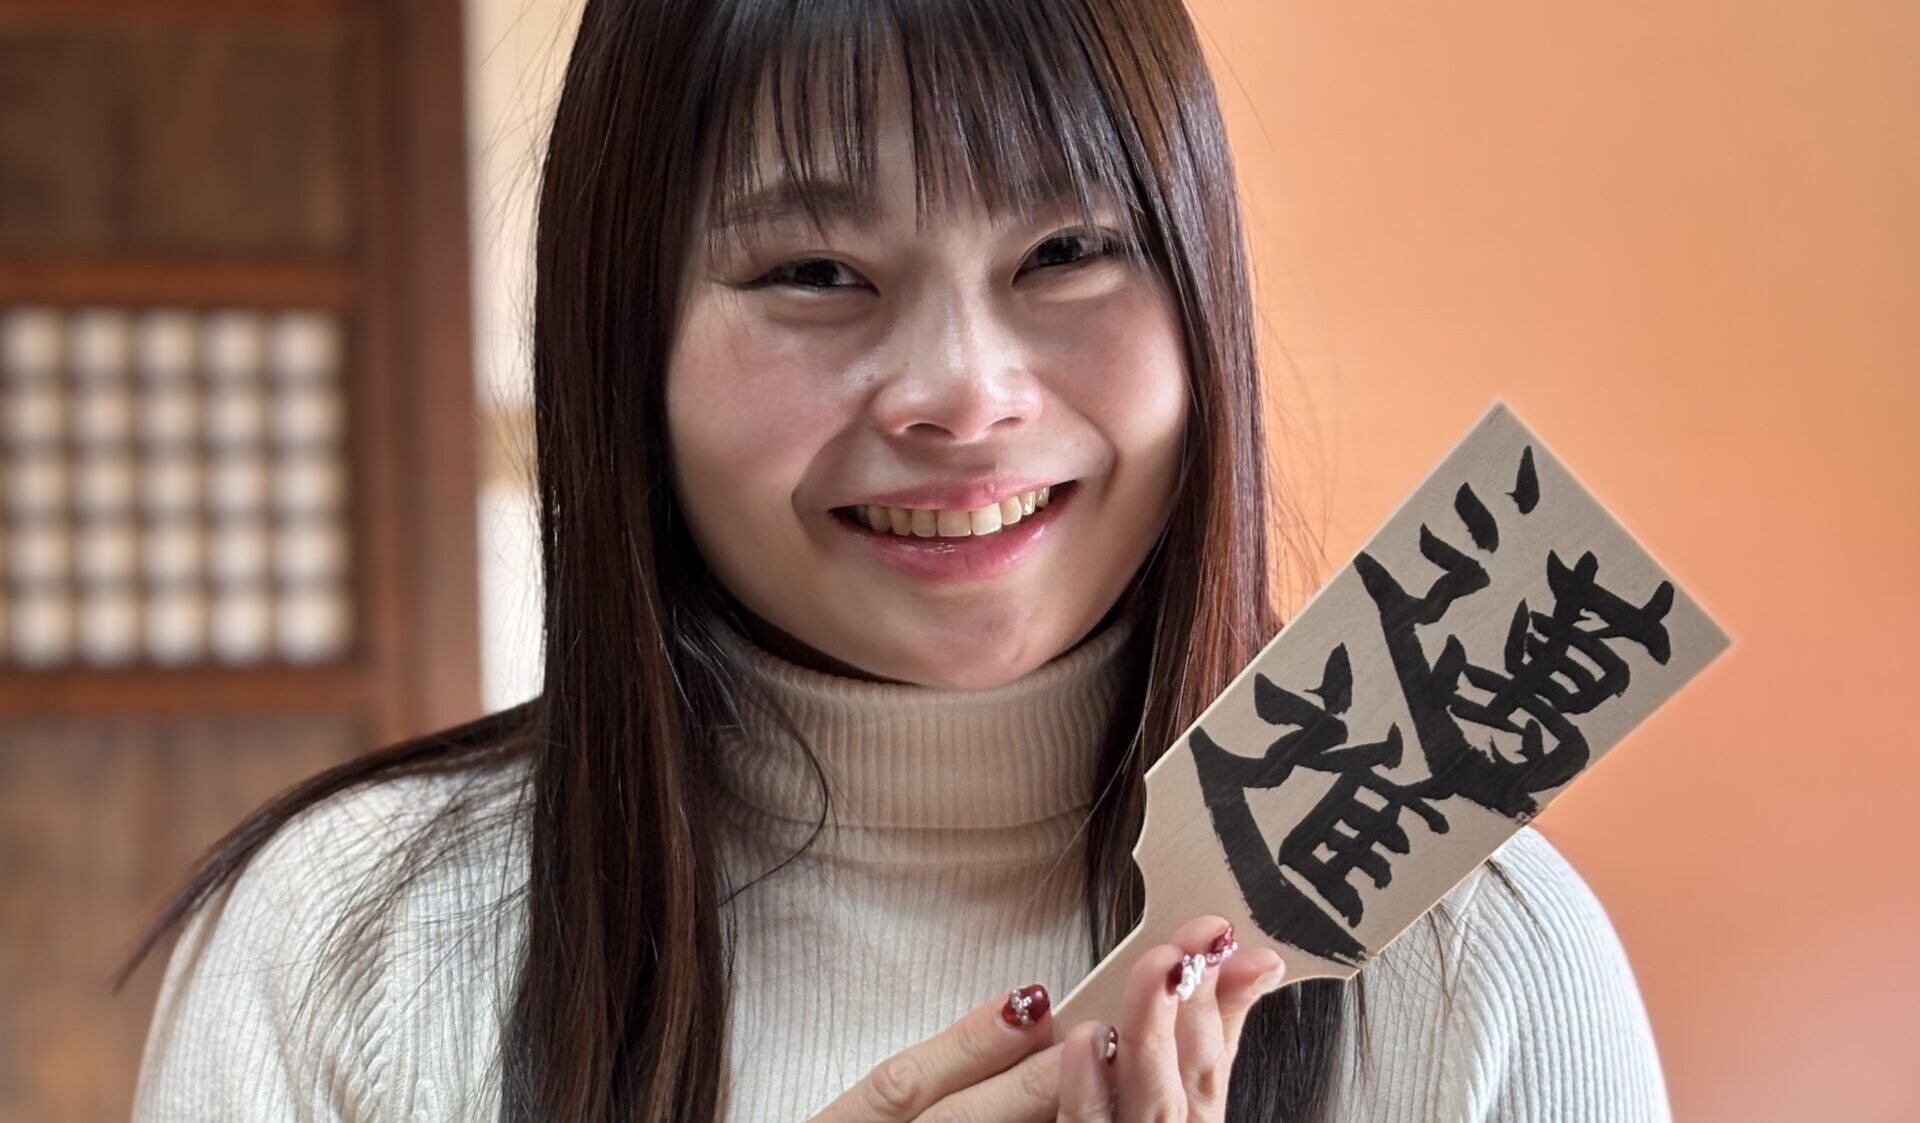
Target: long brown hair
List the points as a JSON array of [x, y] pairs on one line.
[[616, 1012]]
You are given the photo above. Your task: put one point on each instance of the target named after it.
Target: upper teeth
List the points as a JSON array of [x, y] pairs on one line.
[[923, 523]]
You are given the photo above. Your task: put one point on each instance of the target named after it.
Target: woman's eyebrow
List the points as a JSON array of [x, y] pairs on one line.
[[836, 201]]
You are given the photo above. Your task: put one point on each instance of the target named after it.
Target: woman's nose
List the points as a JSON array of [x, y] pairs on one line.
[[961, 373]]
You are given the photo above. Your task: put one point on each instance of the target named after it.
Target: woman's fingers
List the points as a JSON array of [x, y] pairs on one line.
[[1029, 1092], [1198, 1032], [1086, 1066], [986, 1041], [1146, 1070], [1244, 979], [1176, 1056], [1183, 1008]]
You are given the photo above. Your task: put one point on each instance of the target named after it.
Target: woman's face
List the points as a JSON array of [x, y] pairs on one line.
[[927, 380]]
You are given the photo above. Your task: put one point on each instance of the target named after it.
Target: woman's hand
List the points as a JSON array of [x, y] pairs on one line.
[[1171, 1056], [994, 1064], [1167, 1061]]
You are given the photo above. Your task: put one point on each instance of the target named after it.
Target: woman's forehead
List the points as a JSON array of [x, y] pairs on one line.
[[848, 190], [835, 139]]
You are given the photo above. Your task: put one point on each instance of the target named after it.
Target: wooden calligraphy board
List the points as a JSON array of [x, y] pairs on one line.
[[1491, 642]]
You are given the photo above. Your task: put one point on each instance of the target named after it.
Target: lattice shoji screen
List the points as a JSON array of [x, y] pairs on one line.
[[175, 487]]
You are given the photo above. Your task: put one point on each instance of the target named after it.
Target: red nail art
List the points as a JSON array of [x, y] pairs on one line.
[[1222, 946], [1026, 1006], [1184, 978], [1112, 1046]]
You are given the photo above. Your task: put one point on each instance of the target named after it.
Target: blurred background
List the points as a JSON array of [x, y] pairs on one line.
[[264, 435]]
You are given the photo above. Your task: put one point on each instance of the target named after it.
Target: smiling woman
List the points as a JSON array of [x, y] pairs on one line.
[[903, 496], [874, 360]]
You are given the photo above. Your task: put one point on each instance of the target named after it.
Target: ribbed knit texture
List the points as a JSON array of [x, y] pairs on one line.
[[948, 872]]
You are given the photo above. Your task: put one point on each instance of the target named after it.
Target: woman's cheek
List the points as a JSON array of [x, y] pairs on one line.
[[741, 395], [1123, 365]]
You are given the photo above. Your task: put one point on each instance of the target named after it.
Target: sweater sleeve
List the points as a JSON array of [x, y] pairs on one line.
[[249, 1023], [1562, 1033]]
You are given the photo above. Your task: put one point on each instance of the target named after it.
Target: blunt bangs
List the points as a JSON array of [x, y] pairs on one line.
[[1004, 108]]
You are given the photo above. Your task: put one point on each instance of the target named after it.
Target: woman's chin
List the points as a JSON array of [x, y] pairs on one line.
[[954, 663], [977, 669]]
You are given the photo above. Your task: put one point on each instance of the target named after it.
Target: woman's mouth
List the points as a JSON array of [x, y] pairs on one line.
[[952, 545], [910, 522]]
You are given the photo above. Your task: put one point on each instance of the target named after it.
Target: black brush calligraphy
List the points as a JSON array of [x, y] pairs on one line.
[[1553, 665]]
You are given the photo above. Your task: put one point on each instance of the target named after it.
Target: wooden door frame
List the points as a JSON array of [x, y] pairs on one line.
[[406, 288], [431, 598]]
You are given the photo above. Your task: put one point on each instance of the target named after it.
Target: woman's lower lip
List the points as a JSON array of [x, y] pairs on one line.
[[967, 558]]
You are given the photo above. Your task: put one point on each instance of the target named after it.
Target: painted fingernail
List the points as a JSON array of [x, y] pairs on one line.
[[1222, 946], [1026, 1006], [1106, 1045], [1184, 978]]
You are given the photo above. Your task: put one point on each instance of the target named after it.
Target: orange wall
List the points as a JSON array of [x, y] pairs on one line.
[[1679, 237]]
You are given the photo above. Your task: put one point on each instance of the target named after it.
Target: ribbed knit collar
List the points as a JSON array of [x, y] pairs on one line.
[[902, 755]]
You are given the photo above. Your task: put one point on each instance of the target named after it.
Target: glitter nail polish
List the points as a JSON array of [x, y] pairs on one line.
[[1222, 946], [1185, 976], [1026, 1006]]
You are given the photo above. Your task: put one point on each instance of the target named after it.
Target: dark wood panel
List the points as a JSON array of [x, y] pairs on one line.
[[178, 282], [66, 13], [438, 412], [418, 459], [110, 693], [212, 138], [59, 124], [238, 142], [98, 819]]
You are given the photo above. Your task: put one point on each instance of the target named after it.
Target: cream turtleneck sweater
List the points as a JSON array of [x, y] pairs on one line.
[[948, 873]]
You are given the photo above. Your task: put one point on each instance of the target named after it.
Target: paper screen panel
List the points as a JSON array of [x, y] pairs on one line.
[[175, 486]]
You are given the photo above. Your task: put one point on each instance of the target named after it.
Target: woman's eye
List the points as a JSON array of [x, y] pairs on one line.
[[1074, 247], [814, 274], [822, 274]]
